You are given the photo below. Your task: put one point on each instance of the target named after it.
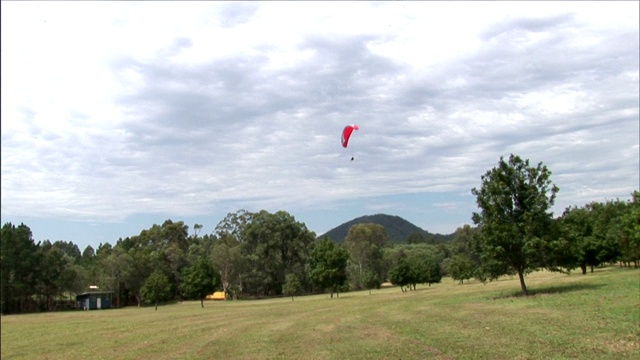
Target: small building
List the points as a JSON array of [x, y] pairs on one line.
[[94, 300]]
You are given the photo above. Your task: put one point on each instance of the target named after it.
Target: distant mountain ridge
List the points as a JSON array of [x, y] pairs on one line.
[[398, 229]]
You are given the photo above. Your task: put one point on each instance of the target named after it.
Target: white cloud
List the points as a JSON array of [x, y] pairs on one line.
[[117, 109]]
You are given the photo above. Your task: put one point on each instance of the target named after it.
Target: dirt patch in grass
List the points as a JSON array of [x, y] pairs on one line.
[[377, 334], [325, 327], [437, 353], [622, 346]]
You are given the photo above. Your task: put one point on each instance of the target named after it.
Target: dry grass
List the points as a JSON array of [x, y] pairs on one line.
[[587, 317]]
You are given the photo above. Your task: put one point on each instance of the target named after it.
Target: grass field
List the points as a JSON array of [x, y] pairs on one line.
[[595, 316]]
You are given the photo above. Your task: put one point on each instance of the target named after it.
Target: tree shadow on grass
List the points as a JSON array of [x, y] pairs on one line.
[[547, 290]]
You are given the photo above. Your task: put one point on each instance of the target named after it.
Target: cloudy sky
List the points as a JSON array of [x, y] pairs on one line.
[[118, 116]]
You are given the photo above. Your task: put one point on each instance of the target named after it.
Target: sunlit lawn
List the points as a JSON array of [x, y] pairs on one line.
[[595, 316]]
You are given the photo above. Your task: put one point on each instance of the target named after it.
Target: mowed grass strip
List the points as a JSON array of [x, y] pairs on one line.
[[596, 316]]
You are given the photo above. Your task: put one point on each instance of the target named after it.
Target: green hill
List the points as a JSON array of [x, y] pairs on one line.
[[398, 229]]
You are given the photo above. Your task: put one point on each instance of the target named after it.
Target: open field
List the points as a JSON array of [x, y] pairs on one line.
[[596, 316]]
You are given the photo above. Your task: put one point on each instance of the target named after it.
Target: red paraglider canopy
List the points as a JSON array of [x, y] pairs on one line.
[[346, 134]]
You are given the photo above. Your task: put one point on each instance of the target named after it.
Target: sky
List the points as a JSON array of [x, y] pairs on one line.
[[120, 115]]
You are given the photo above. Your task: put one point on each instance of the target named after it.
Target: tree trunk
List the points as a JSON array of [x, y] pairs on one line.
[[522, 284], [156, 306], [202, 303], [224, 277], [120, 291]]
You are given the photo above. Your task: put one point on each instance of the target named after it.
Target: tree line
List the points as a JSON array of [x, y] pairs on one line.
[[262, 254]]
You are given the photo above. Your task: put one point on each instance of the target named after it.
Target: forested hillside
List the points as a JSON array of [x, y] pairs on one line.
[[399, 230]]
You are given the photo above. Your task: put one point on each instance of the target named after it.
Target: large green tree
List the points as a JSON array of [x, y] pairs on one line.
[[607, 231], [276, 245], [460, 267], [170, 242], [514, 219], [365, 243], [463, 263], [198, 280], [292, 286], [51, 267], [371, 280], [576, 232], [227, 252], [156, 288], [327, 265], [117, 268], [69, 248], [401, 274], [601, 233], [234, 224], [142, 260], [630, 233], [229, 262], [20, 261], [423, 266]]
